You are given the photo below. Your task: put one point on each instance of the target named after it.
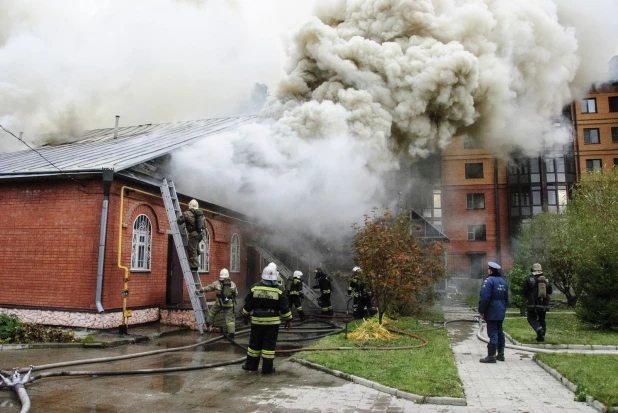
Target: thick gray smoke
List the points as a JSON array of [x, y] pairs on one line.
[[372, 83], [71, 65]]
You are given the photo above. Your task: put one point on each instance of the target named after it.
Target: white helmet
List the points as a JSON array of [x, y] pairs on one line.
[[224, 273], [269, 273], [356, 269], [193, 204], [273, 266], [298, 274]]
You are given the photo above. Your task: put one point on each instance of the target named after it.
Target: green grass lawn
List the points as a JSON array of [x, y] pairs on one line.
[[594, 375], [561, 329], [426, 371]]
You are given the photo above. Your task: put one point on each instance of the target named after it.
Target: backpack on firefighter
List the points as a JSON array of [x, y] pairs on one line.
[[226, 296]]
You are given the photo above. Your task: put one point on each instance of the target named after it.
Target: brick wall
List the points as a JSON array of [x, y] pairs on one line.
[[49, 241]]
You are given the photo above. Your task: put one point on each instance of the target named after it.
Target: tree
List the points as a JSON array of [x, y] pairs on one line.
[[549, 240], [593, 216], [398, 268]]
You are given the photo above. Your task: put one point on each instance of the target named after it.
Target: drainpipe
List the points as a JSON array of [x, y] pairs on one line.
[[108, 177], [497, 203], [575, 133]]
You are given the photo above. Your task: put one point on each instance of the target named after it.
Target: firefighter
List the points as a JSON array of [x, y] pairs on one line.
[[265, 307], [354, 291], [537, 291], [295, 295], [226, 292], [195, 223], [493, 302], [324, 284]]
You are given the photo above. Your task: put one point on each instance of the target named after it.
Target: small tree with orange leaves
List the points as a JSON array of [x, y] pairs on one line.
[[397, 267]]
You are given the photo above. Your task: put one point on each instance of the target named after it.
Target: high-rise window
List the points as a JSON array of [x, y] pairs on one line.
[[591, 136], [614, 134], [476, 233], [475, 201], [589, 105], [593, 165], [474, 170], [470, 143], [613, 103]]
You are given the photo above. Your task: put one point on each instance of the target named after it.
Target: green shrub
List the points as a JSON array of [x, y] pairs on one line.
[[8, 324], [515, 278], [37, 333]]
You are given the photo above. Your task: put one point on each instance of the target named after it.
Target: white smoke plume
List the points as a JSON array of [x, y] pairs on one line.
[[369, 84], [71, 65], [372, 83]]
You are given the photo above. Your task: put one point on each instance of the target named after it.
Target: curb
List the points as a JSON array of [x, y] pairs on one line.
[[451, 401], [591, 347], [597, 405]]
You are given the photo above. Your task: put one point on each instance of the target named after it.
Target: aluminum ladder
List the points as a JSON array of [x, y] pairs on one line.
[[192, 279], [287, 273]]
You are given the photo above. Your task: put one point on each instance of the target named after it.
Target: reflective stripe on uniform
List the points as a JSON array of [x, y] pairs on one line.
[[325, 291], [253, 353], [299, 308], [245, 312], [265, 320], [268, 354]]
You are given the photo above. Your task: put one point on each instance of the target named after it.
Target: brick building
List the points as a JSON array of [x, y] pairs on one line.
[[67, 234], [483, 201]]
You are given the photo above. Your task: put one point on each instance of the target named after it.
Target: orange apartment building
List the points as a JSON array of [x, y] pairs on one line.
[[483, 201]]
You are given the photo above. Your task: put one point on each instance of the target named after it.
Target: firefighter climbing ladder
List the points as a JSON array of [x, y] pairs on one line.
[[287, 273], [192, 279]]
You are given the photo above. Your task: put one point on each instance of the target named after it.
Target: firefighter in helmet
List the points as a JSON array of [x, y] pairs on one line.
[[195, 223], [537, 291], [354, 290], [325, 286], [295, 295], [265, 307], [226, 292]]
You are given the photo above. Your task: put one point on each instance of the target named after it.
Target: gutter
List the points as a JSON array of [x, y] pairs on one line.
[[108, 177]]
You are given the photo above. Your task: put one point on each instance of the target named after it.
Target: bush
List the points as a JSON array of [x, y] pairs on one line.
[[8, 324], [598, 305], [515, 278], [36, 333]]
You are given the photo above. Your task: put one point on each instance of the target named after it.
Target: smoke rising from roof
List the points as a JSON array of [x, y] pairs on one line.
[[374, 83], [73, 65]]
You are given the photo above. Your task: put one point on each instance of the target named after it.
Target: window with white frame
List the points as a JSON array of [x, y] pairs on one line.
[[589, 105], [142, 243], [235, 254], [204, 250]]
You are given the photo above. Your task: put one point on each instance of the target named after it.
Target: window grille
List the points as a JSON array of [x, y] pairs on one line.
[[235, 254], [142, 243]]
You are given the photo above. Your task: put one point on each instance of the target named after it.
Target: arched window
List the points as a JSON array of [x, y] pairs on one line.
[[235, 254], [204, 249], [142, 240]]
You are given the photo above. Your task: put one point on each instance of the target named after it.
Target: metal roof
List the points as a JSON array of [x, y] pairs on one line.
[[93, 150]]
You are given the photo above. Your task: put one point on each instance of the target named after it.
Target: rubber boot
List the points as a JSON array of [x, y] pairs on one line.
[[491, 354], [251, 364], [500, 356], [267, 366], [540, 337], [301, 315]]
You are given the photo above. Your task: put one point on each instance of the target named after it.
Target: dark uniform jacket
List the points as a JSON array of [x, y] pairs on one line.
[[324, 285], [267, 304], [531, 288], [297, 287], [494, 298]]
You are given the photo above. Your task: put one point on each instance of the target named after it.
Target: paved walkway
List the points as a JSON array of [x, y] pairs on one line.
[[517, 385]]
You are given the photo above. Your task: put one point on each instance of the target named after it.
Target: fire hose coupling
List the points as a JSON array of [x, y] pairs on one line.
[[16, 379], [125, 293]]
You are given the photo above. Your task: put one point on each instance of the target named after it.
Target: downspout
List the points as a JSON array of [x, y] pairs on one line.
[[575, 135], [497, 204], [108, 177]]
